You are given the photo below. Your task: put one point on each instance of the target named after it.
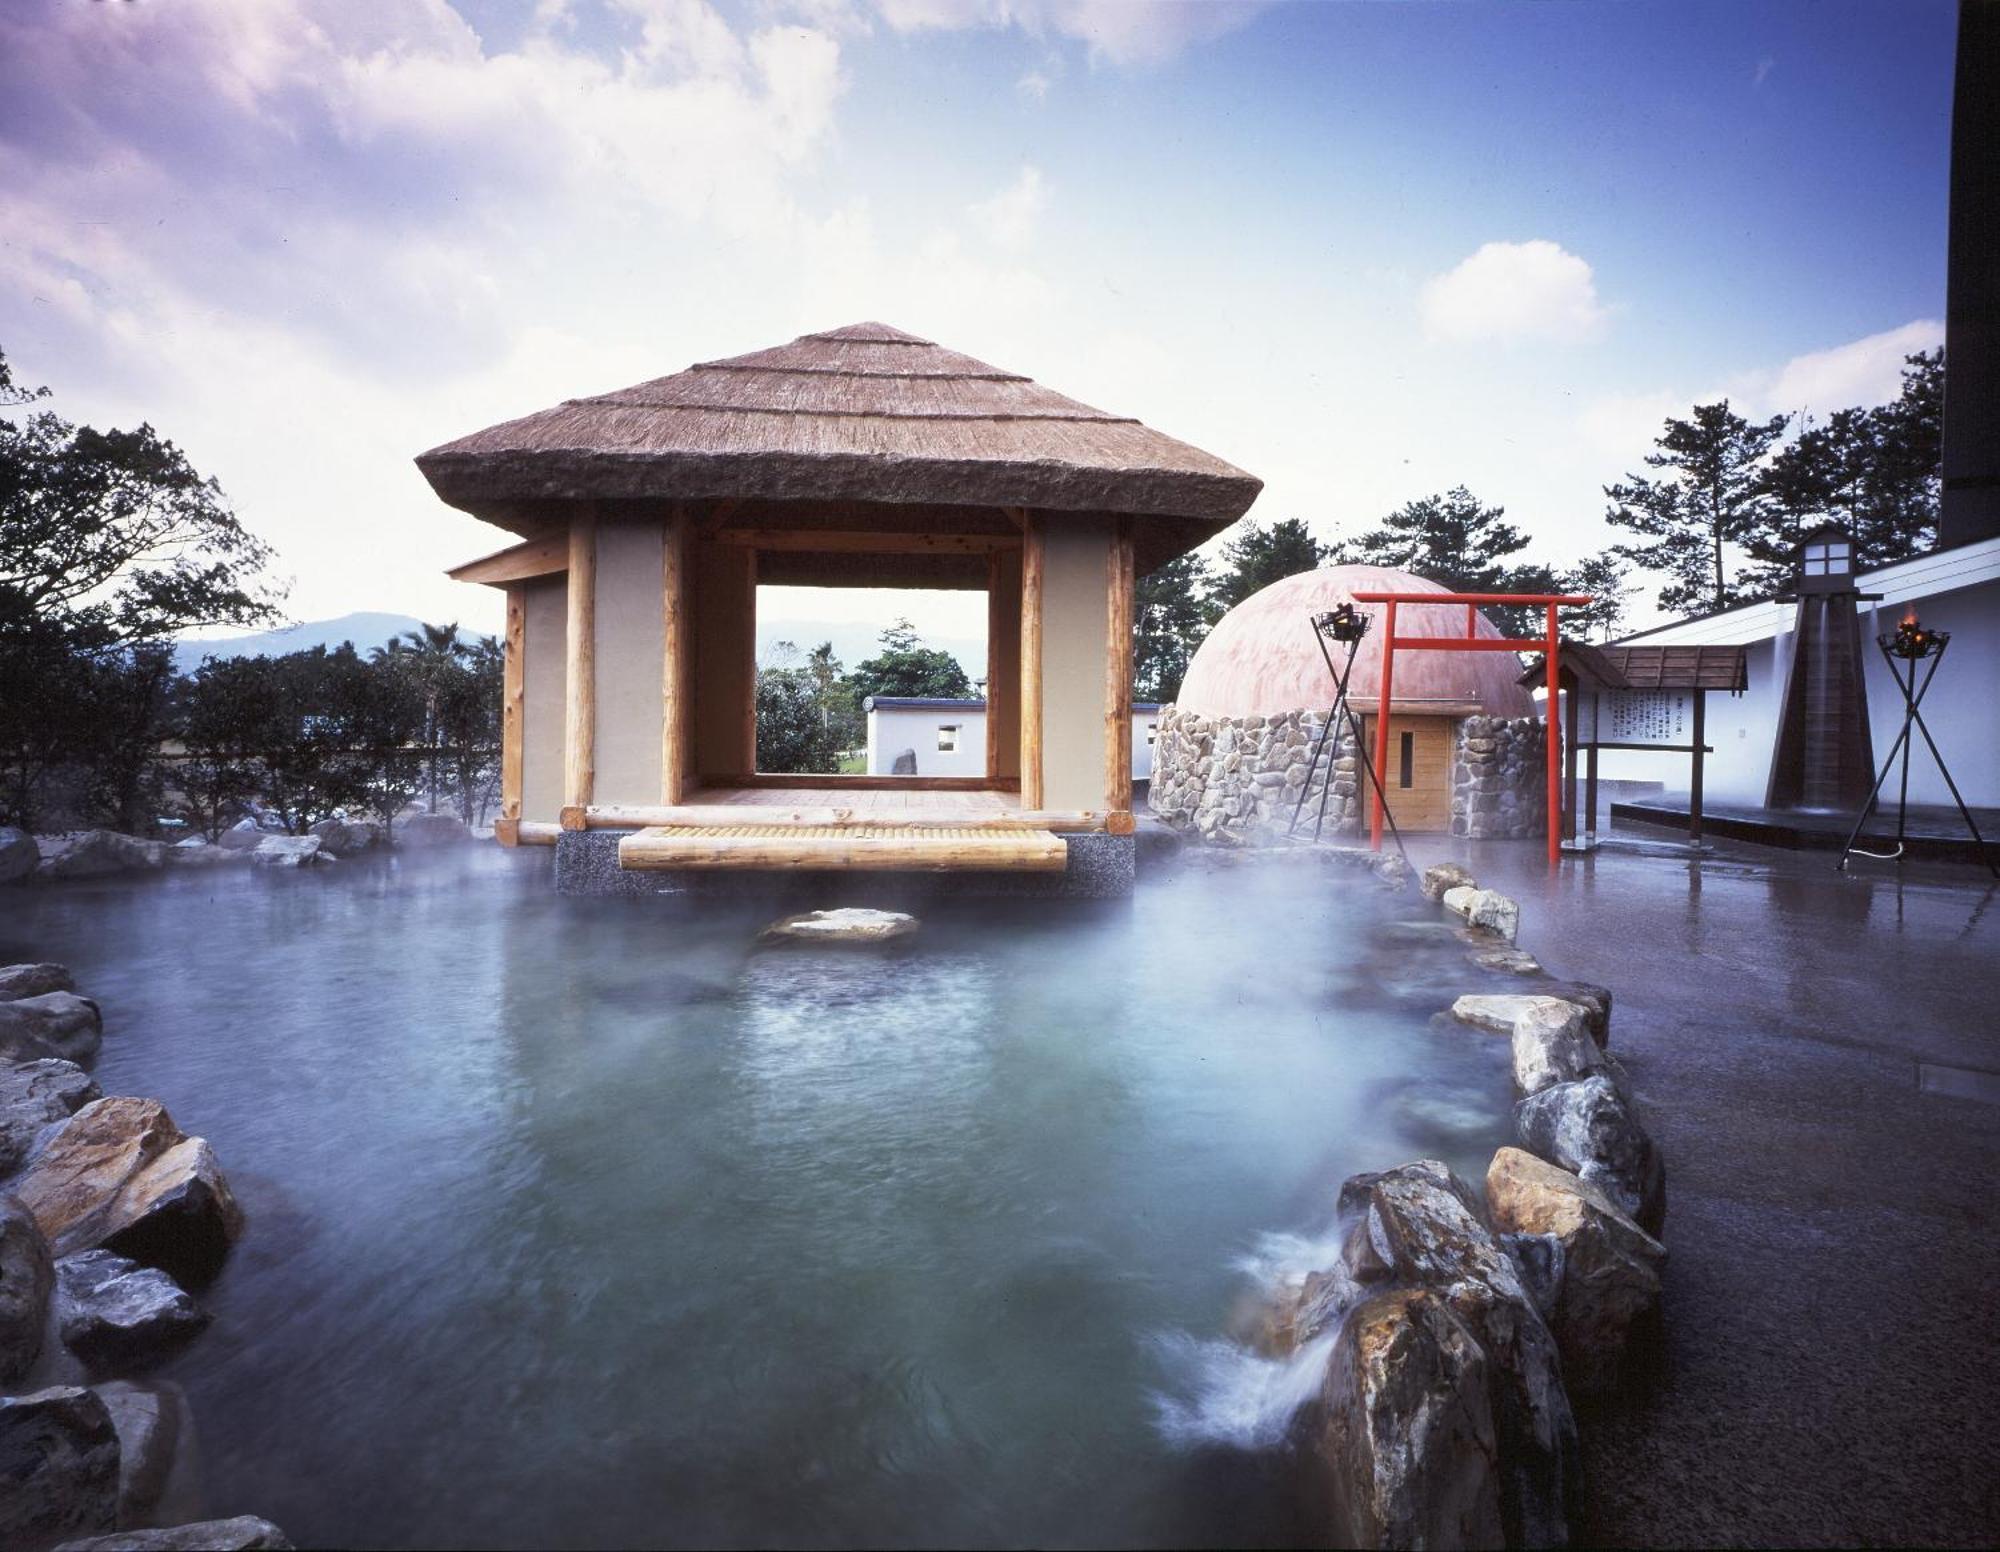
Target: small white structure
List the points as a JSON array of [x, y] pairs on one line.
[[948, 737], [1955, 590]]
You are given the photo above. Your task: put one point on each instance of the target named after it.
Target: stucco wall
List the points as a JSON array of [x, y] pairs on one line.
[[1743, 729], [544, 660], [898, 728], [1076, 555], [630, 645]]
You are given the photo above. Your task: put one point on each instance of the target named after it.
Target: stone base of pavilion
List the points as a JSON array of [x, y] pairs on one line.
[[1095, 866]]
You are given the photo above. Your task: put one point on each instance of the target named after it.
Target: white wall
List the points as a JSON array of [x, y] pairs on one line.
[[893, 729], [896, 728], [1962, 710]]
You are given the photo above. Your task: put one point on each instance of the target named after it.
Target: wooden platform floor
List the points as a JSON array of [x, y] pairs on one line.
[[871, 801]]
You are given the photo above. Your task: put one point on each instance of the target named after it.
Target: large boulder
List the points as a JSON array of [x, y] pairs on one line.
[[1505, 959], [1486, 909], [32, 1095], [116, 1314], [1442, 876], [18, 854], [25, 1278], [245, 1533], [244, 835], [345, 837], [152, 1422], [17, 981], [1495, 1014], [1552, 1044], [1609, 1279], [1419, 1226], [847, 925], [1595, 1001], [59, 1024], [120, 1176], [1588, 1127], [433, 830], [96, 853], [288, 851], [195, 852], [1403, 1431], [58, 1466]]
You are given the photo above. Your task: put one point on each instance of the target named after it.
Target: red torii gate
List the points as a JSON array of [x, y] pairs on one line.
[[1550, 646]]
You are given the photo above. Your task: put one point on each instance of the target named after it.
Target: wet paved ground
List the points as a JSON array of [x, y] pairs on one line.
[[1830, 1371]]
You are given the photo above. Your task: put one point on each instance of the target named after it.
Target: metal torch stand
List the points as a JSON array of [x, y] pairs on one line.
[[1913, 697], [1342, 713]]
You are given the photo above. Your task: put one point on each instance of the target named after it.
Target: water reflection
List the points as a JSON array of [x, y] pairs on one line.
[[587, 1223]]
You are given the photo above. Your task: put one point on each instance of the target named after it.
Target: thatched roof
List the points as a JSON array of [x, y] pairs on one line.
[[860, 414]]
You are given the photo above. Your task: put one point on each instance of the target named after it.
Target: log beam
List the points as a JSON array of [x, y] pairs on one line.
[[623, 816], [580, 678], [676, 716], [513, 707], [541, 557], [1031, 661], [1118, 672]]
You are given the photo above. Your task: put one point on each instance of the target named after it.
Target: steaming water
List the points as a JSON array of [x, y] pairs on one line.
[[584, 1223]]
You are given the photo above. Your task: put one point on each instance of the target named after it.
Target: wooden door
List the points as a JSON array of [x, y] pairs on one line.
[[1417, 775]]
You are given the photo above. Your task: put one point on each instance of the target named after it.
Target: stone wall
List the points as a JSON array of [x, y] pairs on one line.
[[1497, 778], [1235, 781]]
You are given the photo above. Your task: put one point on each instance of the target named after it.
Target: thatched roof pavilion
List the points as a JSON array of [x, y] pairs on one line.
[[860, 456], [865, 413]]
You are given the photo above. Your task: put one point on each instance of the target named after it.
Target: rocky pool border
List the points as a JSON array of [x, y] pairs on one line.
[[1457, 1326], [109, 1216]]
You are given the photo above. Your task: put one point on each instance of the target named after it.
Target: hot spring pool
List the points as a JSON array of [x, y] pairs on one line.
[[584, 1223]]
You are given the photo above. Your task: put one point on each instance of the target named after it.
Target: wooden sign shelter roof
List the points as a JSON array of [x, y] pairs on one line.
[[1647, 668], [863, 414]]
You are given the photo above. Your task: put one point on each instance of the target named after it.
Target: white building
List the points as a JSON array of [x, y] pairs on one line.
[[948, 737], [1955, 590]]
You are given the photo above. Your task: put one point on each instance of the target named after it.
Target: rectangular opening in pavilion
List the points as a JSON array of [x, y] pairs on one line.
[[863, 457]]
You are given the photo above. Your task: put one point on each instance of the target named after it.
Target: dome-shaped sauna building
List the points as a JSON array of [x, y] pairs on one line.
[[1232, 754]]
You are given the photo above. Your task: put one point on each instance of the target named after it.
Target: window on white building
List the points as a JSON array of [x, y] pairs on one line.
[[1152, 733], [947, 737]]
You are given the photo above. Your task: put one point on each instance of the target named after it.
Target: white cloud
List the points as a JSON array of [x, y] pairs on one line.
[[1129, 33], [1009, 217], [1864, 371], [1514, 291], [1034, 86]]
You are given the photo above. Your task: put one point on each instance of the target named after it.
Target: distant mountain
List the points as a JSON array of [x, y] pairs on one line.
[[365, 629], [853, 643]]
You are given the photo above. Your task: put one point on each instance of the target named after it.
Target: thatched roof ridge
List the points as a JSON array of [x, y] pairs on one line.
[[866, 413]]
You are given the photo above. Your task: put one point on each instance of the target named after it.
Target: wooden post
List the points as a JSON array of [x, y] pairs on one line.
[[1694, 791], [1590, 784], [580, 678], [675, 745], [1031, 662], [513, 680], [747, 738], [1571, 716], [1118, 673], [1552, 737]]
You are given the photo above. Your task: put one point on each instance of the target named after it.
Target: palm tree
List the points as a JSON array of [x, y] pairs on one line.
[[429, 651]]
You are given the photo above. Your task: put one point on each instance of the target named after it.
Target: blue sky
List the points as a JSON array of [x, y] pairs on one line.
[[1367, 251]]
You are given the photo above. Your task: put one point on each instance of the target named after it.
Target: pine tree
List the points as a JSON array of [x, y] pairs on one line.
[[1698, 514], [1257, 556], [1449, 539], [1171, 613]]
